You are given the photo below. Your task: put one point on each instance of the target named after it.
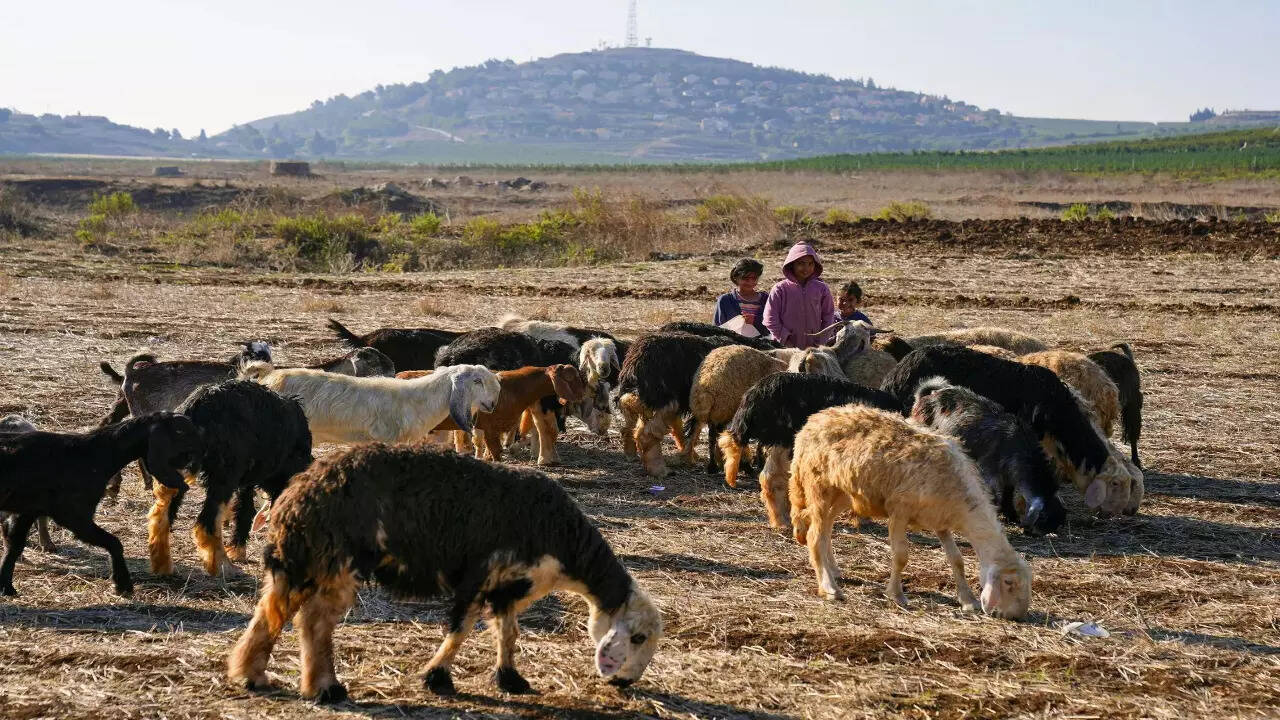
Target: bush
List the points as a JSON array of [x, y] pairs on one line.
[[1105, 214], [791, 215], [424, 225], [17, 216], [838, 216], [335, 243], [1076, 213], [904, 212], [1273, 218], [115, 205]]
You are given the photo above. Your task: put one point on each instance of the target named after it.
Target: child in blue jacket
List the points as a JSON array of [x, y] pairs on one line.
[[848, 301], [744, 300]]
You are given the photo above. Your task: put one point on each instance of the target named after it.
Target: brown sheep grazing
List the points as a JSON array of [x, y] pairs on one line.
[[723, 378], [877, 465], [424, 523], [1018, 342]]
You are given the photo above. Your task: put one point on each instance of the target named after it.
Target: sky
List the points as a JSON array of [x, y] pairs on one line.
[[193, 64]]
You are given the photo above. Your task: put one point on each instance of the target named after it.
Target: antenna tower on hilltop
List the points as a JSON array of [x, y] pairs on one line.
[[633, 32]]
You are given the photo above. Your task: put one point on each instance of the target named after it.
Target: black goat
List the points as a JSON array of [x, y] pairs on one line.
[[654, 383], [1005, 448], [494, 348], [1034, 394], [64, 475], [1120, 366], [408, 348], [361, 362], [253, 438], [895, 346], [708, 330], [772, 412], [11, 425], [422, 522]]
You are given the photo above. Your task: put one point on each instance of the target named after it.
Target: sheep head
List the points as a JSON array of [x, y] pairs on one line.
[[173, 449], [567, 383], [594, 409], [1006, 587], [626, 638]]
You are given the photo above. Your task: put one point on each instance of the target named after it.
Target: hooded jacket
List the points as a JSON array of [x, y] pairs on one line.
[[795, 310]]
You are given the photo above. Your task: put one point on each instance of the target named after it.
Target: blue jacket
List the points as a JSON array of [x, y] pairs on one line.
[[728, 308], [857, 315]]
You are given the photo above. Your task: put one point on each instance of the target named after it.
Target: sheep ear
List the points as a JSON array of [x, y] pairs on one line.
[[460, 405], [1096, 493]]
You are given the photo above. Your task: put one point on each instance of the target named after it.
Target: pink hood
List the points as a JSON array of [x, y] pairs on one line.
[[796, 252]]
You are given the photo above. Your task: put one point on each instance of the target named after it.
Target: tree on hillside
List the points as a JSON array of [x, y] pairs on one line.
[[5, 114], [1203, 114], [175, 134]]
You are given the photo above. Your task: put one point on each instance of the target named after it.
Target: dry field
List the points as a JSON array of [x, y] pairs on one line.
[[1189, 588]]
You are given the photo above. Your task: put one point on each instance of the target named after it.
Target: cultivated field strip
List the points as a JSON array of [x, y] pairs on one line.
[[1190, 588]]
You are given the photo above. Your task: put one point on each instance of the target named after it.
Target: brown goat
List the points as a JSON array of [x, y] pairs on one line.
[[522, 390]]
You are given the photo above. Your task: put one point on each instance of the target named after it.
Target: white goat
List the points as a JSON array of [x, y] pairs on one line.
[[347, 409]]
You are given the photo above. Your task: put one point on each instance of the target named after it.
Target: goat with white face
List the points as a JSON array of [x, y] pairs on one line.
[[346, 409]]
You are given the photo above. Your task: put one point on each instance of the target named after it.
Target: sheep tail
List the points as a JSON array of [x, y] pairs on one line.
[[136, 360], [1124, 348], [732, 452], [509, 321], [110, 372], [256, 370], [345, 335], [930, 385]]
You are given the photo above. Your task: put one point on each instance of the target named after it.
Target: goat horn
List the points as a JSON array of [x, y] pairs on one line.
[[824, 330]]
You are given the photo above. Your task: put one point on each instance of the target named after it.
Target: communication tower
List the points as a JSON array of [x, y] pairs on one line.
[[633, 32]]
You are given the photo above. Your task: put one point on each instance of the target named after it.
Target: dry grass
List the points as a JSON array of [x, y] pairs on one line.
[[1190, 588], [324, 304]]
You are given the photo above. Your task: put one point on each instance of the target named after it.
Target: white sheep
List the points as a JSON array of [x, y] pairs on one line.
[[878, 465], [347, 409]]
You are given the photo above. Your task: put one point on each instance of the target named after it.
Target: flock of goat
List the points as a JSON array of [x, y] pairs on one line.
[[939, 433]]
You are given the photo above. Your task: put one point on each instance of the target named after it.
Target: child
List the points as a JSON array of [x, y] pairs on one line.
[[800, 307], [847, 303], [745, 300]]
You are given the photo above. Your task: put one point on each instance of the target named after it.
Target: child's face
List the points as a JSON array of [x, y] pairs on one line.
[[847, 305], [747, 283], [802, 268]]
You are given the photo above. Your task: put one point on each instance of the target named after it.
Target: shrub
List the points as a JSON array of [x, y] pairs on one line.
[[115, 205], [732, 212], [17, 216], [1105, 214], [1076, 213], [904, 212], [838, 216], [791, 215], [337, 244], [1273, 218], [424, 225]]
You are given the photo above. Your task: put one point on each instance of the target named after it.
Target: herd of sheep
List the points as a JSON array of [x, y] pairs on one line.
[[942, 433]]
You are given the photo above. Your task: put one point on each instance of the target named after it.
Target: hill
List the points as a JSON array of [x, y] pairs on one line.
[[88, 134], [646, 105]]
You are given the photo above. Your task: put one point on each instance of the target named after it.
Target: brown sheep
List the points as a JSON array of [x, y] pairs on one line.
[[723, 378], [1085, 377], [878, 465], [1019, 342]]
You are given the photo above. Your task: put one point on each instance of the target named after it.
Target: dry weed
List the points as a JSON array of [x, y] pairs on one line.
[[323, 304], [432, 306]]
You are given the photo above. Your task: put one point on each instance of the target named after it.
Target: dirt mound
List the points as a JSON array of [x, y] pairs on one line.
[[76, 193], [390, 198]]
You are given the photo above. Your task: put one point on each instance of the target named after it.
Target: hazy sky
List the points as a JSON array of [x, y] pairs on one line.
[[195, 64]]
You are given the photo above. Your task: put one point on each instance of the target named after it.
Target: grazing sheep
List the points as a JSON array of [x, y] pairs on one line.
[[11, 425], [493, 348], [1037, 396], [722, 379], [994, 350], [816, 361], [1085, 377], [772, 412], [346, 409], [877, 465], [708, 330], [574, 336], [659, 372], [1018, 342], [252, 438], [361, 362], [423, 523], [861, 361], [1007, 451], [895, 346], [63, 476], [522, 391], [1119, 365], [408, 348]]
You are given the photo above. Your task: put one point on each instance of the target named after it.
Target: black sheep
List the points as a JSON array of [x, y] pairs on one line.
[[772, 412], [1034, 394], [1005, 448], [424, 522], [1119, 365], [896, 346], [408, 348], [654, 383], [764, 344], [64, 475], [253, 438]]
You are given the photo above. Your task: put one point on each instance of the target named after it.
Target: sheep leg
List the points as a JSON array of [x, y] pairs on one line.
[[436, 677], [822, 559], [676, 427], [247, 664], [897, 558], [773, 487], [689, 449], [159, 522], [207, 532], [87, 531], [715, 461], [649, 445], [461, 442], [629, 421], [46, 541], [315, 622], [506, 628], [963, 592], [243, 511], [18, 532], [545, 425], [491, 442]]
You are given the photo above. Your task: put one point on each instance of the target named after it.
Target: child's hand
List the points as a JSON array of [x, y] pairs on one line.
[[751, 319]]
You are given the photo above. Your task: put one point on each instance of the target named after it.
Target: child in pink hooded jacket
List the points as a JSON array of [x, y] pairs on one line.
[[800, 305]]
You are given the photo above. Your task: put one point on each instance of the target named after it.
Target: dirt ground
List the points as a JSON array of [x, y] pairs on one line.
[[1189, 589]]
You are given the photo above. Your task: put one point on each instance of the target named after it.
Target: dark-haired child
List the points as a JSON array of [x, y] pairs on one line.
[[848, 301], [744, 299]]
